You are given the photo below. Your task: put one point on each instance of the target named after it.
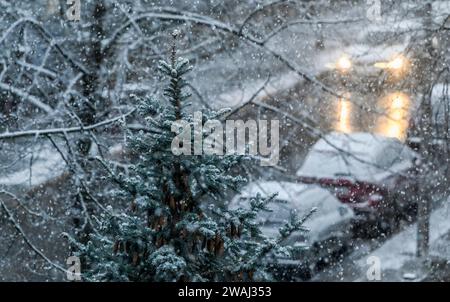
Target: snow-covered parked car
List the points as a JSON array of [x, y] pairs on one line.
[[373, 174], [329, 228]]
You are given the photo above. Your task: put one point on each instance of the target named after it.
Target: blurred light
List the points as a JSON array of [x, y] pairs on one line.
[[398, 101], [382, 65], [344, 63], [394, 130], [398, 65], [344, 111], [396, 119], [396, 115]]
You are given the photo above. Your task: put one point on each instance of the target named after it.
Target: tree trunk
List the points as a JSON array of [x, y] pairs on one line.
[[424, 201], [91, 81]]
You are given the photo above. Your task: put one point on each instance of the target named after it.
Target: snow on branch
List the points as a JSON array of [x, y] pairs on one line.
[[26, 96], [45, 132], [48, 37], [27, 240], [170, 14]]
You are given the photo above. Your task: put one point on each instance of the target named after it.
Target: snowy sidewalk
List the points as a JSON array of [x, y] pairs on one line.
[[397, 254]]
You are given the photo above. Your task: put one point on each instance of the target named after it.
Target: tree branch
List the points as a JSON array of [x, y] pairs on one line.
[[25, 95], [173, 14], [27, 241], [45, 132]]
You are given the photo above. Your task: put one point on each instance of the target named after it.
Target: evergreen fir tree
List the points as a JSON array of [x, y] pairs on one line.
[[169, 233]]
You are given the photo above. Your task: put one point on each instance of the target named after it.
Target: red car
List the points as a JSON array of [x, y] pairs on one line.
[[373, 174]]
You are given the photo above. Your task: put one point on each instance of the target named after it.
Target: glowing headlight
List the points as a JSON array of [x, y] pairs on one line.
[[344, 63], [398, 65]]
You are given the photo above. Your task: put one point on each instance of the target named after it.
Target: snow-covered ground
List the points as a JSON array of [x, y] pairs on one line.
[[36, 168], [396, 255]]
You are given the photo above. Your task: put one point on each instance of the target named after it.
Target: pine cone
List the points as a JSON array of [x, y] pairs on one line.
[[161, 222], [159, 242], [220, 248], [126, 247], [133, 206], [116, 247], [135, 258], [172, 204], [239, 231], [211, 246], [233, 230]]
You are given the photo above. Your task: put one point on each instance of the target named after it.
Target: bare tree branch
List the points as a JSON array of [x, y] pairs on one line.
[[45, 132], [25, 238], [26, 96]]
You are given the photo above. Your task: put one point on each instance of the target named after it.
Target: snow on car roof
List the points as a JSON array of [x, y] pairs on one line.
[[300, 198], [358, 156]]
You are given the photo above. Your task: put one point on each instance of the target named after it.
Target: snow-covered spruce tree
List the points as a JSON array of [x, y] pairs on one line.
[[169, 233]]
